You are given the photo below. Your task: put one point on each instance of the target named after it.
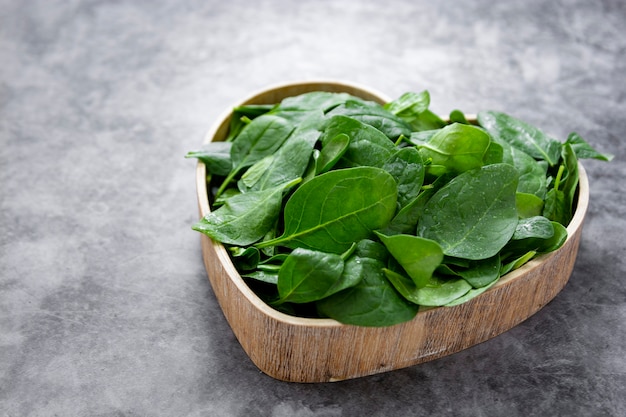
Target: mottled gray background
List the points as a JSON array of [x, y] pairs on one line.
[[105, 309]]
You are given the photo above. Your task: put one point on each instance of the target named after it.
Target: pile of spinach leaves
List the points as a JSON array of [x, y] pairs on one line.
[[332, 206]]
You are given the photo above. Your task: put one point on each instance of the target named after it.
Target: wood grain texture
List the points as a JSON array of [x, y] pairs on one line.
[[321, 350]]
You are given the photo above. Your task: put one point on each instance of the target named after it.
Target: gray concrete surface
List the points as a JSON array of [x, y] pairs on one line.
[[105, 309]]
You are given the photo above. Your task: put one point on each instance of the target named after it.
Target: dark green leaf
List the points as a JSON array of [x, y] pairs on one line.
[[374, 115], [245, 259], [216, 157], [263, 276], [371, 302], [533, 227], [287, 164], [409, 104], [532, 175], [436, 293], [584, 150], [474, 215], [335, 209], [480, 273], [262, 137], [422, 137], [405, 221], [244, 218], [517, 262], [407, 168], [457, 116], [418, 256], [308, 275], [315, 100], [331, 152], [521, 135], [528, 205], [367, 146], [241, 113], [473, 293], [457, 147]]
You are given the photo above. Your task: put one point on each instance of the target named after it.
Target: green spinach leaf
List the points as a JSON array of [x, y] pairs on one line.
[[584, 150], [474, 215], [407, 168], [521, 135], [333, 149], [262, 137], [437, 293], [308, 275], [335, 209], [457, 147], [216, 157], [287, 164], [374, 115], [373, 301], [418, 257], [480, 273], [367, 146], [244, 218]]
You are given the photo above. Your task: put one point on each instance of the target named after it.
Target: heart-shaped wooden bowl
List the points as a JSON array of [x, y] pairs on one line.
[[320, 350]]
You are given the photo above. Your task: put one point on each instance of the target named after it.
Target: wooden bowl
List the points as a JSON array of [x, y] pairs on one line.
[[319, 350]]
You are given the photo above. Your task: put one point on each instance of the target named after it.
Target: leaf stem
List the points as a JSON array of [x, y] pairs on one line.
[[226, 181], [559, 174]]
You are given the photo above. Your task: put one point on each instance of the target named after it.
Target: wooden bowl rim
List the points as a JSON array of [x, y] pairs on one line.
[[226, 262]]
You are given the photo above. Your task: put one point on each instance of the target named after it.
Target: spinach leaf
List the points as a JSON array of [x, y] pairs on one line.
[[413, 109], [584, 150], [409, 103], [337, 208], [315, 100], [252, 176], [532, 175], [244, 218], [521, 135], [427, 120], [457, 147], [437, 293], [474, 215], [555, 206], [262, 137], [494, 154], [457, 116], [373, 301], [216, 157], [308, 275], [407, 168], [242, 115], [422, 137], [311, 127], [536, 234], [418, 257], [533, 227], [473, 293], [374, 115], [559, 202], [262, 276], [287, 164], [331, 152], [528, 205], [556, 240], [570, 185], [245, 259], [367, 146], [405, 221], [480, 273], [517, 262]]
